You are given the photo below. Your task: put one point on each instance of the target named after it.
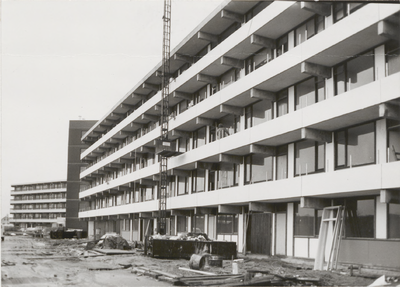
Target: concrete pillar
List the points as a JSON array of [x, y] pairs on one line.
[[381, 219], [273, 236], [380, 65], [381, 144], [290, 229], [290, 163], [291, 40], [291, 100], [189, 223]]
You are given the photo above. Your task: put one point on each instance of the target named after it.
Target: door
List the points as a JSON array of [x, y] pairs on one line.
[[260, 233], [280, 238]]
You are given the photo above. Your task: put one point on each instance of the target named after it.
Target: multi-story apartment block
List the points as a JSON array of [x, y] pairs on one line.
[[278, 109], [38, 204]]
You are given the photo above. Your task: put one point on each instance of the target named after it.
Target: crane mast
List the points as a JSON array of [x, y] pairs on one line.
[[162, 216]]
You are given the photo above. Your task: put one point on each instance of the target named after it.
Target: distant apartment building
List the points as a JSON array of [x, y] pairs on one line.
[[44, 203], [38, 204], [277, 110]]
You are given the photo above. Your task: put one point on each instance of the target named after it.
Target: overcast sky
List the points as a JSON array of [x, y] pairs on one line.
[[68, 60]]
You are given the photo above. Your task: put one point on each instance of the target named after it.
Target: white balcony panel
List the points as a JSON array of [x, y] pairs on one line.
[[350, 182], [61, 210], [32, 201], [134, 176], [27, 220], [229, 46], [123, 151], [136, 114], [54, 190], [137, 207]]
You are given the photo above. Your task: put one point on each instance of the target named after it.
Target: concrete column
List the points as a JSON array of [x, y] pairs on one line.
[[291, 40], [206, 223], [330, 156], [380, 65], [329, 87], [290, 229], [329, 20], [189, 223], [381, 144], [273, 236], [381, 219], [241, 230], [291, 160], [291, 100], [131, 229], [176, 225]]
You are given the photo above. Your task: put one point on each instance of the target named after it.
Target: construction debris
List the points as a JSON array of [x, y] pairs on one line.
[[109, 241]]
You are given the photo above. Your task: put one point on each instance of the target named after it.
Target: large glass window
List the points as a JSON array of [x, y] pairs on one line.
[[199, 137], [258, 168], [198, 180], [393, 133], [282, 45], [309, 157], [308, 29], [198, 224], [394, 221], [228, 175], [355, 146], [262, 112], [354, 73], [392, 52], [360, 218], [309, 92], [282, 104], [281, 162], [227, 224], [307, 221], [182, 185]]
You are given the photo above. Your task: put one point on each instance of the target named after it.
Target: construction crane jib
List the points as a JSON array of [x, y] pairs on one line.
[[162, 216]]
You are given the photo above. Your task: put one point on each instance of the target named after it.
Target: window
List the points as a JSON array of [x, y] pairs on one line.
[[282, 104], [393, 133], [198, 224], [281, 162], [198, 180], [227, 224], [282, 45], [394, 220], [261, 112], [228, 175], [182, 185], [355, 146], [392, 52], [258, 168], [181, 224], [262, 57], [309, 157], [309, 92], [354, 73], [342, 9], [308, 29], [249, 65], [307, 221], [360, 218], [199, 137]]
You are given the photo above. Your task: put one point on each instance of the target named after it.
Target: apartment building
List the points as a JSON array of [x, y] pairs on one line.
[[278, 109], [38, 204]]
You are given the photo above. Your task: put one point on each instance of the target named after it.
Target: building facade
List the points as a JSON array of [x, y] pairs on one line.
[[77, 129], [38, 204], [278, 109]]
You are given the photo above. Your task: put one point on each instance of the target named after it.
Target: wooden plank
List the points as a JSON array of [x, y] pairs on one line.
[[196, 271]]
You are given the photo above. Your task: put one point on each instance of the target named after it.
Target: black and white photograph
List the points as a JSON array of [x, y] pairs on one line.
[[200, 143]]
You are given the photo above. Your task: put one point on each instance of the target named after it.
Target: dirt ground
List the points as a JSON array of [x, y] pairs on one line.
[[28, 261]]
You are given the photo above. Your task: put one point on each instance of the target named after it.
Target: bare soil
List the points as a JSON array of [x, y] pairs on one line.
[[28, 261]]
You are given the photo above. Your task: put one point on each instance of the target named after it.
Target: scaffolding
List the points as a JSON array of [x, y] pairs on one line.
[[163, 184]]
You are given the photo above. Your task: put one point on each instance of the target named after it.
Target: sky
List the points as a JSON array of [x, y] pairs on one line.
[[65, 60]]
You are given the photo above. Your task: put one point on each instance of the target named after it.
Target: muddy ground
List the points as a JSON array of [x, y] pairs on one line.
[[28, 261]]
